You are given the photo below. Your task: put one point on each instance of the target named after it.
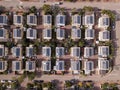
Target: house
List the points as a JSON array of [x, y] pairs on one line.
[[89, 34], [75, 66], [32, 19], [31, 33], [60, 20], [16, 65], [18, 19], [103, 51], [47, 20], [76, 20], [59, 51], [103, 64], [3, 34], [60, 33], [30, 66], [59, 65], [46, 65], [46, 51], [17, 33], [29, 51], [2, 50], [3, 20], [104, 35], [89, 20], [75, 52], [17, 51], [3, 66], [88, 52], [88, 67], [76, 33], [104, 21], [47, 34]]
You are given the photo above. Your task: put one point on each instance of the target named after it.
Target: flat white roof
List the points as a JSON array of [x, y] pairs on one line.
[[31, 33], [88, 51], [16, 66], [30, 66], [60, 20], [60, 33], [103, 51], [75, 52], [46, 65], [75, 65], [104, 35], [103, 64], [75, 33], [47, 34], [59, 65], [89, 34], [59, 51], [18, 19], [76, 20], [3, 20], [31, 19], [46, 51], [17, 33]]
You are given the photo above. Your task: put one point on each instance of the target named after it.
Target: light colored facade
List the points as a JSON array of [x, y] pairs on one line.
[[76, 20], [31, 33], [88, 52], [60, 52], [46, 51], [104, 35], [30, 66], [32, 19], [75, 52], [103, 51], [18, 20], [46, 65]]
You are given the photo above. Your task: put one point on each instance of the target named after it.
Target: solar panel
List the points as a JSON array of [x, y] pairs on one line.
[[31, 19], [77, 52], [31, 33], [78, 32], [48, 33], [1, 19], [1, 65], [30, 51], [30, 66], [78, 19], [17, 65], [1, 32], [90, 66], [61, 19], [1, 51], [48, 19], [18, 32], [47, 66], [60, 66], [18, 19], [105, 35], [17, 52], [48, 52]]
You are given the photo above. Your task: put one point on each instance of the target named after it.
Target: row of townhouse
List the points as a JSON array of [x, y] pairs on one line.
[[75, 66], [77, 21]]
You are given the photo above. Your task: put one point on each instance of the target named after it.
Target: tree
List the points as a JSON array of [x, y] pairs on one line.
[[15, 85], [87, 9], [68, 84], [33, 9], [81, 43], [46, 8], [29, 86], [2, 9], [31, 76]]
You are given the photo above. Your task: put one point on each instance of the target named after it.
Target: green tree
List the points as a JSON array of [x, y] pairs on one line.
[[47, 9], [29, 86], [2, 9], [15, 85], [33, 9]]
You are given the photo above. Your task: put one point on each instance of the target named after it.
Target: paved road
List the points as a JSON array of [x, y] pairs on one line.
[[102, 5]]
